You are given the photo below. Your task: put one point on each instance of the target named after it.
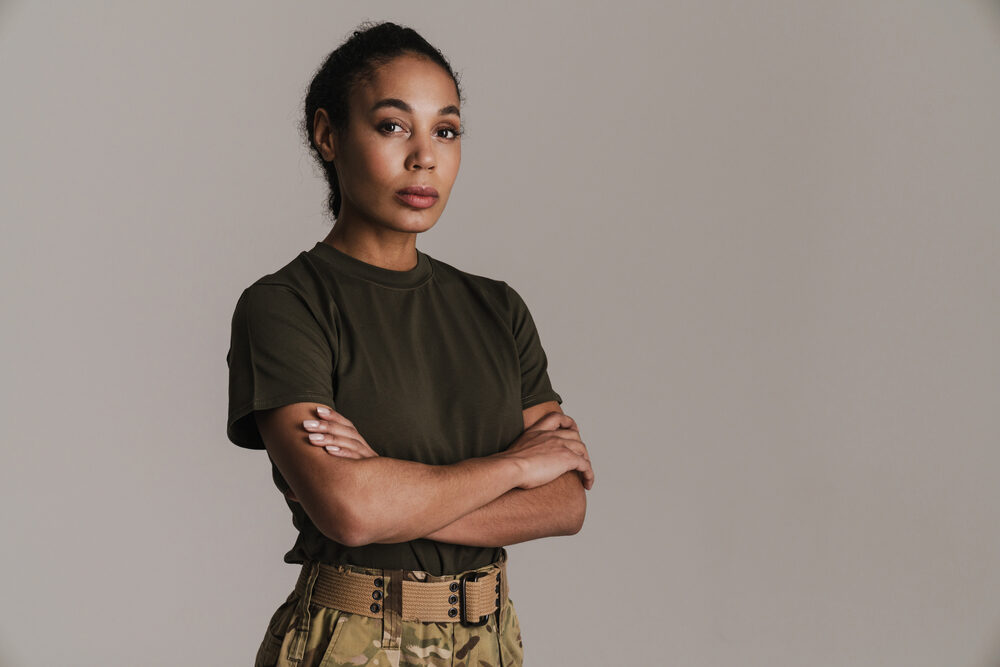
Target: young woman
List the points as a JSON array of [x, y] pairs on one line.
[[404, 404]]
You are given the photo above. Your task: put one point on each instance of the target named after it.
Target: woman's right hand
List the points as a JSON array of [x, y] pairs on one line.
[[547, 449]]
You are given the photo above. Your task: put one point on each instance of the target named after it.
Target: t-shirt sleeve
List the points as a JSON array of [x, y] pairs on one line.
[[535, 384], [278, 354]]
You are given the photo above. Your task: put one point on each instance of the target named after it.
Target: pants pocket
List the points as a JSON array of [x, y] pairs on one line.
[[281, 620], [268, 652], [355, 640], [282, 635]]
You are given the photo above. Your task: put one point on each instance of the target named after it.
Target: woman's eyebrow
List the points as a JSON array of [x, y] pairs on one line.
[[400, 104]]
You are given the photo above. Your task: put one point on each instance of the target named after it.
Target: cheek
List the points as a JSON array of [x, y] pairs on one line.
[[380, 166], [371, 171], [448, 161], [450, 165]]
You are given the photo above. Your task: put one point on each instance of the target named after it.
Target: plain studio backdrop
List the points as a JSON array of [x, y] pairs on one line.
[[759, 241]]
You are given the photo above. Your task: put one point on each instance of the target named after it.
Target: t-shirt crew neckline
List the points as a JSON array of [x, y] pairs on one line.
[[353, 266]]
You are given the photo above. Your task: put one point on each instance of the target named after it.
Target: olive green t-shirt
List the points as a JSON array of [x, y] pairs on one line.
[[432, 365]]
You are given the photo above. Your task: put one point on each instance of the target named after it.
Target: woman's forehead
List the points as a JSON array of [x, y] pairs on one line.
[[418, 83]]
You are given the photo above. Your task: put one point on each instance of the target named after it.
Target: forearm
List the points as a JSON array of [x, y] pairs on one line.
[[520, 515], [402, 500]]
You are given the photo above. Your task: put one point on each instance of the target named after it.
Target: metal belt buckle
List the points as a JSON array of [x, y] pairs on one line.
[[471, 576]]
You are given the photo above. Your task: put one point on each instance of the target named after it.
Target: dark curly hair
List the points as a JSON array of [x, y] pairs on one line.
[[371, 46]]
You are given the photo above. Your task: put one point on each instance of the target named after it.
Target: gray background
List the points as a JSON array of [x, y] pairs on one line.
[[759, 241]]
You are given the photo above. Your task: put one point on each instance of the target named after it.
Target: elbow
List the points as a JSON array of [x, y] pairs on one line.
[[343, 523], [579, 510], [350, 514], [576, 525], [344, 530], [353, 538]]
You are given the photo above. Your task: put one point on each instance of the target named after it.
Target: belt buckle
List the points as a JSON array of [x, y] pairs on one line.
[[470, 576]]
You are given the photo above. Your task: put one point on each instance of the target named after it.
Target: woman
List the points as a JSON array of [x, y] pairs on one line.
[[423, 389]]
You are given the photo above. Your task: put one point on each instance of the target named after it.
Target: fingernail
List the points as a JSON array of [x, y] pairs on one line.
[[310, 423], [332, 448], [316, 436], [323, 411]]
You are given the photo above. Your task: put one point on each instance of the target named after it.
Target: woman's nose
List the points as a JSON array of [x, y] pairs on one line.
[[422, 155]]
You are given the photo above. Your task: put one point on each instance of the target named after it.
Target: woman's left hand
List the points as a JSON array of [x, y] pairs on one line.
[[338, 435]]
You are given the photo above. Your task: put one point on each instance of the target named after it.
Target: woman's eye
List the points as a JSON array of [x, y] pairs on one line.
[[389, 124]]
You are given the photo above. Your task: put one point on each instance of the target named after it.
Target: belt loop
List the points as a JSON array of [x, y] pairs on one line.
[[297, 647], [392, 610]]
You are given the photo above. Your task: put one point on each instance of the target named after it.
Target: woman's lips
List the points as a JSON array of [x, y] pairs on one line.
[[416, 200]]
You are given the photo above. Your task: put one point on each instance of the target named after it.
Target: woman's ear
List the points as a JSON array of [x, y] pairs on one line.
[[323, 135]]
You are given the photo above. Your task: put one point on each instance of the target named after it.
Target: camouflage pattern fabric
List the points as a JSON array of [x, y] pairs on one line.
[[302, 633]]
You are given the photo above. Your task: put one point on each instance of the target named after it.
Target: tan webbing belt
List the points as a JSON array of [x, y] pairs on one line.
[[477, 593]]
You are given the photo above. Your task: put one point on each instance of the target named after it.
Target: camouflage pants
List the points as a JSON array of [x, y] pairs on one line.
[[302, 633]]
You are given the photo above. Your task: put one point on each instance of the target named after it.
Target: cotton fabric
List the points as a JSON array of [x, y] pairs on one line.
[[432, 364]]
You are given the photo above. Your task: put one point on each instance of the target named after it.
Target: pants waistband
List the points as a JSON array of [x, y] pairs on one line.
[[467, 598]]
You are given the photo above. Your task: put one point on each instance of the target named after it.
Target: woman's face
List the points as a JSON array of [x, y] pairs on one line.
[[402, 132]]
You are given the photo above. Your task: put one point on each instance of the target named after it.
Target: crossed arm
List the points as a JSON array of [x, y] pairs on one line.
[[519, 515], [516, 515], [556, 508]]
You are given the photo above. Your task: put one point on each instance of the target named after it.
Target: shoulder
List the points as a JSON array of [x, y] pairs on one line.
[[449, 273], [296, 284], [290, 304], [450, 276], [505, 299]]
